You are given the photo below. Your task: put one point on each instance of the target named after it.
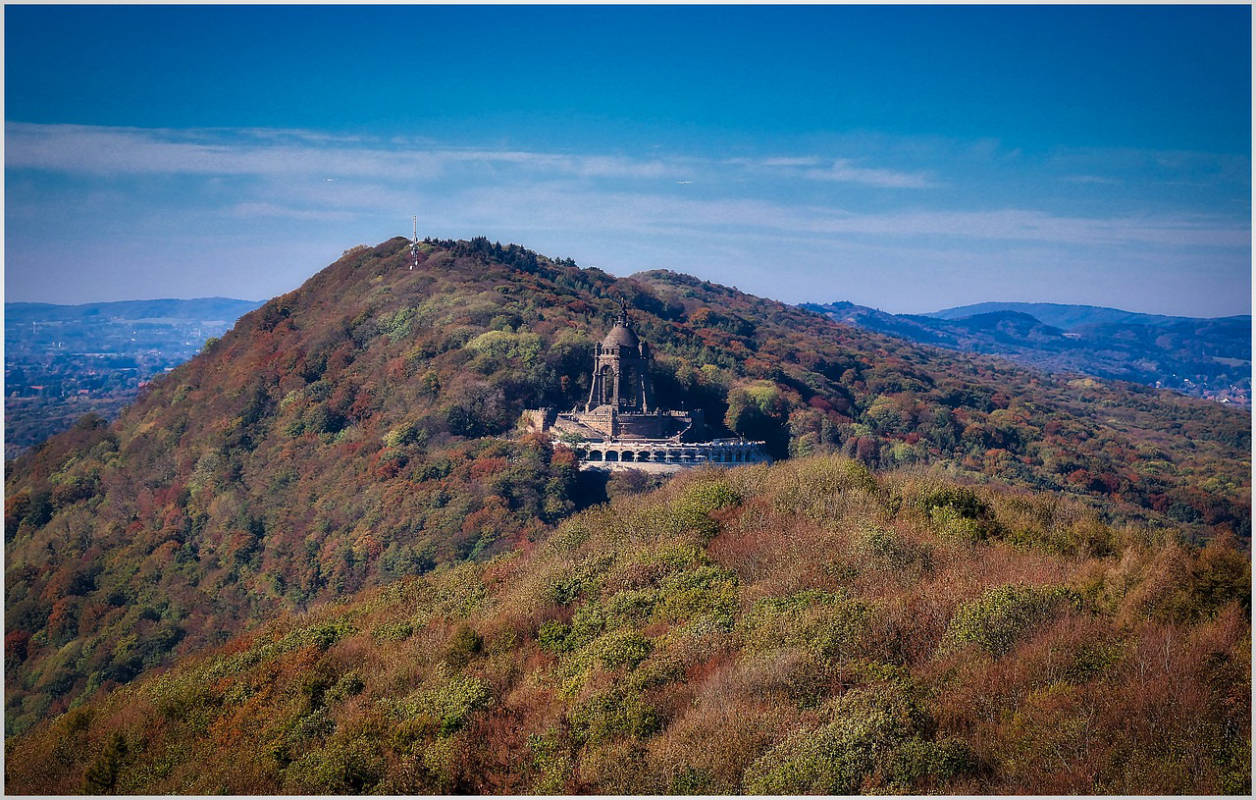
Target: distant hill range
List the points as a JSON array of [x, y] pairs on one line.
[[1202, 357], [201, 310], [63, 361], [1071, 317]]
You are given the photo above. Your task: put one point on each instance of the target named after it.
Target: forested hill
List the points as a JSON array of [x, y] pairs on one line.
[[357, 430], [807, 627]]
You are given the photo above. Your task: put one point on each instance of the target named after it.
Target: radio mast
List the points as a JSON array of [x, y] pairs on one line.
[[414, 245]]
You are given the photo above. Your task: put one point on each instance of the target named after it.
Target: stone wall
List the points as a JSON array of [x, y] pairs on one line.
[[538, 420], [642, 426], [621, 453]]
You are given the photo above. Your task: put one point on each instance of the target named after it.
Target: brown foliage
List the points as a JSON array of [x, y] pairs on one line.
[[630, 652]]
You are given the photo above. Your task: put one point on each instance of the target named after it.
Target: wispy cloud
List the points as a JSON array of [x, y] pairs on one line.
[[1094, 179], [251, 210], [844, 170], [557, 206], [776, 161], [1157, 165], [262, 152], [294, 172], [768, 218], [840, 170], [121, 151]]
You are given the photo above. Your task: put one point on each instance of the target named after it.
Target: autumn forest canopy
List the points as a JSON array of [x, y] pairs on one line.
[[321, 557]]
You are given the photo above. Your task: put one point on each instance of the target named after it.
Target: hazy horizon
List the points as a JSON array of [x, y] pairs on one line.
[[910, 159], [262, 300]]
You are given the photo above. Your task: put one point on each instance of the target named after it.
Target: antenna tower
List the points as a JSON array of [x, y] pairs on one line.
[[414, 245]]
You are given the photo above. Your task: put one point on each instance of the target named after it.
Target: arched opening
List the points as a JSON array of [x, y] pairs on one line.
[[644, 455], [611, 455], [606, 382], [660, 455], [595, 455], [628, 387], [627, 456]]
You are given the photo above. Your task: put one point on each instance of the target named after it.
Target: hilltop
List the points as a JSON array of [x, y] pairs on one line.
[[361, 429], [807, 627]]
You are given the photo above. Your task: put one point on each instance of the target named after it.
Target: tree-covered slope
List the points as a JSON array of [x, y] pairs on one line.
[[359, 429], [805, 627]]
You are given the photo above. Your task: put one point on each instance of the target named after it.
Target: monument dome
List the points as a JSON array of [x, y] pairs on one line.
[[620, 336]]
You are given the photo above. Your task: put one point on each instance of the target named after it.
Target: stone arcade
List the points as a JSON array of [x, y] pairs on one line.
[[622, 427]]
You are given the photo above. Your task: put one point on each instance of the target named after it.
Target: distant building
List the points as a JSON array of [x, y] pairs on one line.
[[622, 427]]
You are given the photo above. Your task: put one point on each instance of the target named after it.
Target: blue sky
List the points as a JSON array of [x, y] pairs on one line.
[[906, 158]]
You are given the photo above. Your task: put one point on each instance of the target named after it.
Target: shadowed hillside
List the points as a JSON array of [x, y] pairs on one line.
[[807, 627], [359, 430]]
